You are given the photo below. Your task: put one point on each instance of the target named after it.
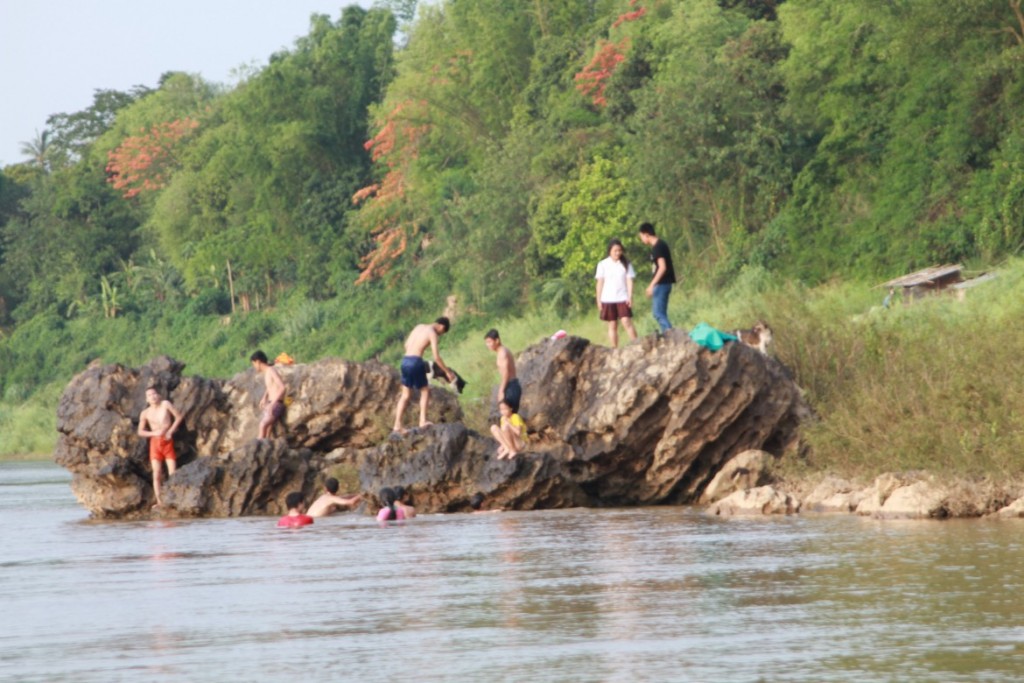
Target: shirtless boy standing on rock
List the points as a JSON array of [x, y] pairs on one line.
[[159, 421], [414, 368], [272, 402], [509, 390]]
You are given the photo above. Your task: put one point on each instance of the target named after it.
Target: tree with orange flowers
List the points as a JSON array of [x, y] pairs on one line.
[[593, 79], [395, 145], [142, 163]]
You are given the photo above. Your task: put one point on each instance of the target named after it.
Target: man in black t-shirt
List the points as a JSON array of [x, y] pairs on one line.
[[664, 275]]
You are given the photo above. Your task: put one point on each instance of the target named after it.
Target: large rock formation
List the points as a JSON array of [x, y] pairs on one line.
[[333, 403], [653, 422], [649, 423]]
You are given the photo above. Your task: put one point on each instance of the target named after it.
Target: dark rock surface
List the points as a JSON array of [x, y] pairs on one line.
[[648, 423]]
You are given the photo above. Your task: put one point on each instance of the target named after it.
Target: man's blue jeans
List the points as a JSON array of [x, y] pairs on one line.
[[659, 305]]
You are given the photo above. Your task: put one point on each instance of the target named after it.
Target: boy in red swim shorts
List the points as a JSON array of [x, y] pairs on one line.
[[159, 421]]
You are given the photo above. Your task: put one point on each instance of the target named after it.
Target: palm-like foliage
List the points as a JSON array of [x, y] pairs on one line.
[[38, 149]]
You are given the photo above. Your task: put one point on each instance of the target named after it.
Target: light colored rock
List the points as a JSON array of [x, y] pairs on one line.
[[920, 500], [763, 500], [914, 494], [1014, 510], [833, 494], [840, 502], [745, 471], [874, 497]]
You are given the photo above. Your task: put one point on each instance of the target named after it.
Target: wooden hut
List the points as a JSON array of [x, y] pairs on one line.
[[926, 281]]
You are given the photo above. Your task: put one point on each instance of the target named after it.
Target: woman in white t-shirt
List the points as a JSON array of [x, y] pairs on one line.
[[615, 292]]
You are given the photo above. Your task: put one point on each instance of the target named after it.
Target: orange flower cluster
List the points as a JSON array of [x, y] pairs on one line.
[[593, 80], [141, 163], [395, 145], [630, 16]]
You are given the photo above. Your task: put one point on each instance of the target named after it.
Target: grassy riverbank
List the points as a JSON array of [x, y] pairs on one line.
[[928, 386]]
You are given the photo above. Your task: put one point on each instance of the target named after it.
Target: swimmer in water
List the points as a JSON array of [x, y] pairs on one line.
[[330, 502], [390, 511], [296, 516], [400, 502]]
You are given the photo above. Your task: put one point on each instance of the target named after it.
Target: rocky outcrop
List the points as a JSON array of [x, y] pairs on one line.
[[907, 495], [833, 494], [223, 470], [1014, 510], [747, 470], [762, 500], [649, 423], [249, 480], [653, 422]]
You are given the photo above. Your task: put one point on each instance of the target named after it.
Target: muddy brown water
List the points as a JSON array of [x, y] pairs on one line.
[[644, 594]]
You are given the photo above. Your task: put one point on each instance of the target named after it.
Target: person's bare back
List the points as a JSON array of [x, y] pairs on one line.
[[509, 390], [414, 368], [419, 339], [275, 389], [329, 503]]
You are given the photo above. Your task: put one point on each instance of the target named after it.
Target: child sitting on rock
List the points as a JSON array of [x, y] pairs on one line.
[[510, 432]]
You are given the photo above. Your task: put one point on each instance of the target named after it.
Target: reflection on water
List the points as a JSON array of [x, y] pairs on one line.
[[653, 594]]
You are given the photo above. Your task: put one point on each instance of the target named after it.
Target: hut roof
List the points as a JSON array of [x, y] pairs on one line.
[[967, 284], [924, 277]]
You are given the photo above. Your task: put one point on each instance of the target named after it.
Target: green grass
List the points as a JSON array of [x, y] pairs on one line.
[[28, 428], [931, 386]]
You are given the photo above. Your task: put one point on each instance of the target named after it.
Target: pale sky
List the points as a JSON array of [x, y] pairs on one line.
[[55, 53]]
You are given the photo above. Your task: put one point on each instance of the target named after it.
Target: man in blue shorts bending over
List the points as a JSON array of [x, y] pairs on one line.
[[414, 368]]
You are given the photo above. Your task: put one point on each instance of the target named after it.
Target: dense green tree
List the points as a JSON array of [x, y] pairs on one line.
[[73, 133], [70, 230], [906, 102], [711, 151], [597, 208], [492, 150], [265, 185]]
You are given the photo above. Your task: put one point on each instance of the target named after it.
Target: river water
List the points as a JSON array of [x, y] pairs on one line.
[[644, 594]]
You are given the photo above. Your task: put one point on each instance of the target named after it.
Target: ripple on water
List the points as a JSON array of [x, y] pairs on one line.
[[655, 594]]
